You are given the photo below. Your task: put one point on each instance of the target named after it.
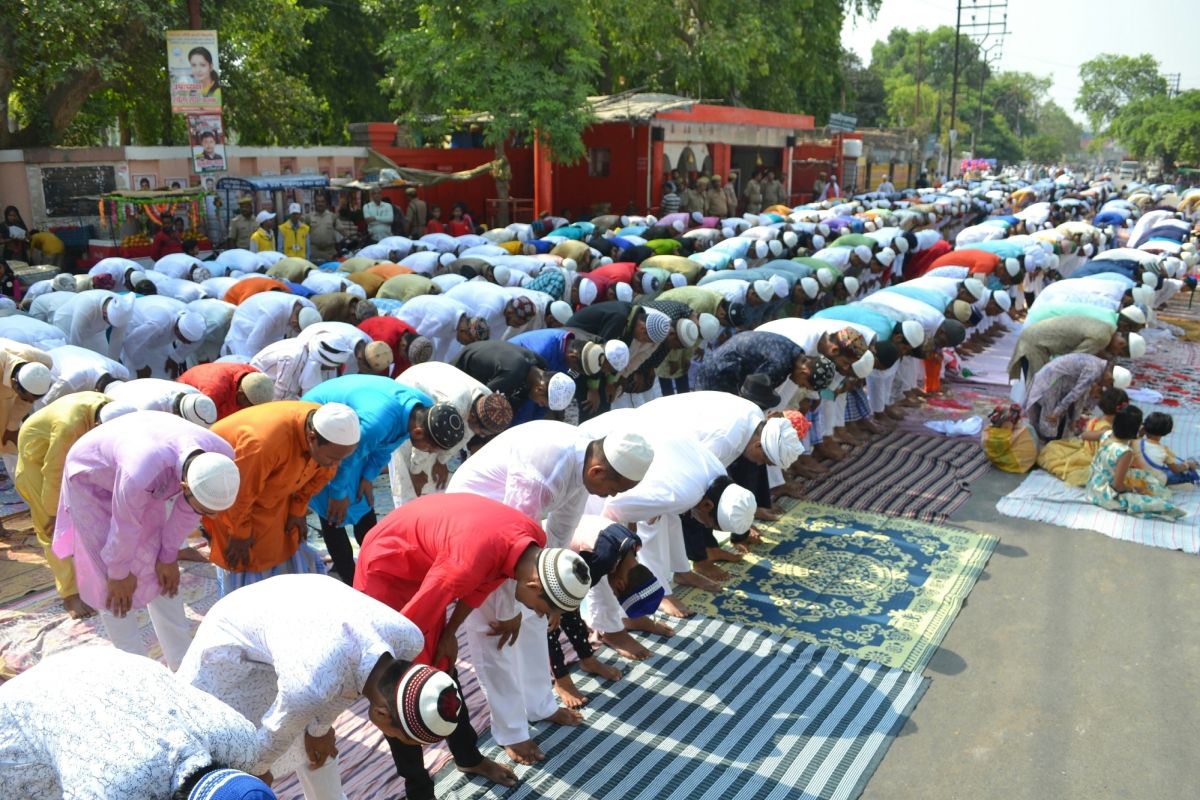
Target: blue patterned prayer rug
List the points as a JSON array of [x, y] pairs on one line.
[[718, 711], [880, 588]]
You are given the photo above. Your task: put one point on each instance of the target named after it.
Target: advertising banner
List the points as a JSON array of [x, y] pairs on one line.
[[206, 134], [194, 71]]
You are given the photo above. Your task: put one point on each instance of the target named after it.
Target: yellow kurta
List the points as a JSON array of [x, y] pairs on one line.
[[12, 408], [42, 449]]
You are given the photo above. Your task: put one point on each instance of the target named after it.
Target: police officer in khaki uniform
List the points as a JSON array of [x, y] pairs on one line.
[[242, 227]]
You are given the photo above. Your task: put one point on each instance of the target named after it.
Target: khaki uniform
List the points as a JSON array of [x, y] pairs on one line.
[[322, 236], [415, 216], [240, 231], [773, 193], [714, 202], [692, 200], [754, 196]]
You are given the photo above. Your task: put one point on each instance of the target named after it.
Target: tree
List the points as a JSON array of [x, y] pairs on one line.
[[528, 65], [1053, 122], [864, 91], [1110, 82], [1161, 128]]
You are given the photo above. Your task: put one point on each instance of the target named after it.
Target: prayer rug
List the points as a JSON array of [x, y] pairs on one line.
[[11, 501], [990, 367], [23, 568], [1179, 385], [719, 710], [878, 588], [926, 477]]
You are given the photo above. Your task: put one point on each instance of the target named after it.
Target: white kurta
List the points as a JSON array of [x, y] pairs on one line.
[[151, 339], [77, 369], [260, 320], [33, 332], [436, 317], [326, 282], [291, 366], [149, 394], [217, 317], [291, 654], [177, 265], [96, 723], [82, 319], [182, 290], [46, 305], [900, 308], [721, 423]]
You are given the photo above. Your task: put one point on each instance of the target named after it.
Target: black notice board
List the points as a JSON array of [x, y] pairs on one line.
[[60, 185]]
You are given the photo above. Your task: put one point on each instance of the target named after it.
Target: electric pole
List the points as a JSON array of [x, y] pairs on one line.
[[986, 29], [952, 134]]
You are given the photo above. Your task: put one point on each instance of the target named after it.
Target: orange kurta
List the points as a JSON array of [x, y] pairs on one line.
[[248, 287], [387, 270], [979, 262], [278, 479]]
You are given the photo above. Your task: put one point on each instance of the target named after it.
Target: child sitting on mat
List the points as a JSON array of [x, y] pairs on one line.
[[1158, 458], [1116, 484]]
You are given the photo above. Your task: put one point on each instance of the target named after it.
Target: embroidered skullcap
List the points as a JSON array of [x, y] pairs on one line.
[[798, 421], [198, 408], [975, 287], [592, 358], [258, 388], [644, 599], [886, 256], [478, 328], [420, 350], [735, 510], [494, 411], [863, 366], [63, 283], [688, 332], [650, 284], [810, 287], [364, 309], [524, 308], [851, 283], [565, 577], [34, 378], [1134, 314], [710, 327], [616, 353], [560, 311], [1002, 299], [629, 454], [850, 342], [213, 479], [913, 332], [822, 373], [780, 442], [763, 290], [1137, 345], [779, 285], [308, 316], [85, 282], [862, 252], [379, 357], [230, 784], [444, 425], [428, 702], [658, 325], [560, 391], [337, 423], [623, 290], [501, 275], [1121, 377]]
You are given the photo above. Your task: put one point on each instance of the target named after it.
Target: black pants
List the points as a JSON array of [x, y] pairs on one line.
[[577, 634], [338, 543], [410, 759], [674, 385], [748, 475]]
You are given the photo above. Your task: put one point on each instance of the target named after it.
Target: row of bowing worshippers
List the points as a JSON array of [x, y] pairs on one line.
[[622, 390]]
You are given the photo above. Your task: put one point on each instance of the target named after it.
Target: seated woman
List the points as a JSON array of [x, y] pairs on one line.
[[1115, 484], [1070, 460]]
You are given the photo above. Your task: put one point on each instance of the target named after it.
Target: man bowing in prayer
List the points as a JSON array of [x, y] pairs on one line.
[[292, 653], [449, 552], [286, 452]]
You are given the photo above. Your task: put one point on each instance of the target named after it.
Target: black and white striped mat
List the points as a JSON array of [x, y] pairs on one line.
[[719, 711]]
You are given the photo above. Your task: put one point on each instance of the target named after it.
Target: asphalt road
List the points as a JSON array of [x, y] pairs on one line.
[[1073, 671]]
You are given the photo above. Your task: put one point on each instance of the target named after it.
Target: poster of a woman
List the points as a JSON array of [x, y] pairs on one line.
[[194, 71]]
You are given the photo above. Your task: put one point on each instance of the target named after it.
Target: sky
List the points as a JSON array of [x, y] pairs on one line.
[[1053, 37]]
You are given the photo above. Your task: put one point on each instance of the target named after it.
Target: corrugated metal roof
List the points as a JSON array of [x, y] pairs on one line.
[[636, 107]]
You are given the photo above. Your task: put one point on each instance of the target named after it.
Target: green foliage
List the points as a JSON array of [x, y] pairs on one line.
[[1167, 130], [1110, 82]]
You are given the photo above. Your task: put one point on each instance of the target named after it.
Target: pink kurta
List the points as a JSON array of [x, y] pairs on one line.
[[122, 508]]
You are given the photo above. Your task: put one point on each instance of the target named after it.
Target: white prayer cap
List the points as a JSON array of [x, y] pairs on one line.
[[818, 241], [137, 276], [913, 332], [810, 286], [862, 368], [852, 284], [428, 701], [263, 216], [605, 261], [34, 378], [740, 263], [1052, 261], [975, 287], [570, 263], [735, 510], [83, 283], [710, 327], [591, 358], [213, 479], [1012, 267], [863, 253], [337, 423], [501, 275], [825, 276], [623, 290], [294, 208], [779, 285], [727, 233], [1137, 345], [650, 283], [823, 229], [763, 290], [961, 310], [679, 226], [308, 316], [560, 391], [617, 354], [688, 332], [697, 217], [119, 310], [780, 442], [63, 283], [1088, 250], [446, 259], [1173, 266], [678, 280], [1133, 314], [869, 225], [1121, 377], [561, 311], [565, 577], [198, 408], [379, 357], [110, 411], [789, 238], [258, 388], [629, 454], [886, 256], [587, 291], [192, 326], [900, 244], [1002, 299], [1150, 279], [776, 247]]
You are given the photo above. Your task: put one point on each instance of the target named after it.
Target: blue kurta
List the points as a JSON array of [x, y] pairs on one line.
[[930, 297], [861, 315], [383, 407], [549, 343]]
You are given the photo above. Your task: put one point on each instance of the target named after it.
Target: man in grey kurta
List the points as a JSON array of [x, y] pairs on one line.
[[1044, 340]]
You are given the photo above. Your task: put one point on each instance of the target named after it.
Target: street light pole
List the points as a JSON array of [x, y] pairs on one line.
[[953, 93]]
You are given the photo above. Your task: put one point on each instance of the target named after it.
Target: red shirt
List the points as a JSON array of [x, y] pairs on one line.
[[460, 227], [219, 381], [435, 226], [391, 331], [439, 549], [919, 263], [164, 244]]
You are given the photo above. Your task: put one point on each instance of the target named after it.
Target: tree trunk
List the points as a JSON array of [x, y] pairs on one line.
[[502, 173]]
